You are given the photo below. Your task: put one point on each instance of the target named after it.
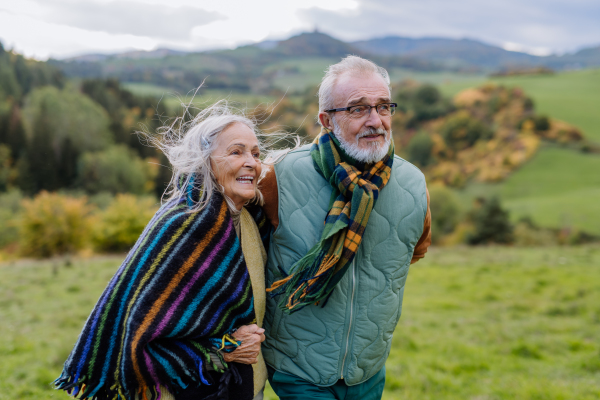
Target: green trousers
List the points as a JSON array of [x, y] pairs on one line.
[[290, 387]]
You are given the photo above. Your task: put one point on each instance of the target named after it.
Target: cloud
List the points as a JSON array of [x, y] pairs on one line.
[[533, 24], [129, 17]]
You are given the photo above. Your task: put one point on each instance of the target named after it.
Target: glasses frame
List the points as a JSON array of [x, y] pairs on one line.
[[393, 105]]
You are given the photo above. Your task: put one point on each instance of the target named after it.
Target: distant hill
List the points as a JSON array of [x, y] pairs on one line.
[[250, 68], [134, 54], [457, 53], [315, 44], [451, 52], [254, 68], [588, 57]]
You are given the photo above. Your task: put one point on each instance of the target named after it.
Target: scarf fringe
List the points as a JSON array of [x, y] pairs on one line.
[[309, 284]]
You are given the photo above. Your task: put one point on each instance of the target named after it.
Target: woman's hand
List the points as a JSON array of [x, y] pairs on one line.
[[251, 337]]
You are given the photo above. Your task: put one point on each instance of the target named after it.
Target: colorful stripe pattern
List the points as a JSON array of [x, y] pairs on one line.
[[184, 283], [355, 190]]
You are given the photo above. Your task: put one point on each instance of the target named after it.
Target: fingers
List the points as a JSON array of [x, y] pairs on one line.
[[247, 330], [247, 355], [253, 328]]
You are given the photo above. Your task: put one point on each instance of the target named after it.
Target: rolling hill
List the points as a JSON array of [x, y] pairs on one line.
[[559, 186], [258, 68], [465, 53], [461, 53]]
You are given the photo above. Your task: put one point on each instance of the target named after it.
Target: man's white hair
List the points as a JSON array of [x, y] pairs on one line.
[[353, 65]]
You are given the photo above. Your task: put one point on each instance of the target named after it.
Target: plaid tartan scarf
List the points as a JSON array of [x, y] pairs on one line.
[[183, 287], [355, 191]]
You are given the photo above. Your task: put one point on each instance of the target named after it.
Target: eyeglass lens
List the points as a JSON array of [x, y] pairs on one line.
[[383, 110]]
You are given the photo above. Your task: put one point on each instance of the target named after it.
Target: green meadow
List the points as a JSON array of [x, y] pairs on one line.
[[572, 96], [477, 323], [559, 187]]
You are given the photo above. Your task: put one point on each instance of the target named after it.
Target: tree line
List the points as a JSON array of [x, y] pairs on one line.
[[57, 134]]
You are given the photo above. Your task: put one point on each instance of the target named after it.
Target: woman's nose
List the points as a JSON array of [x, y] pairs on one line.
[[250, 161]]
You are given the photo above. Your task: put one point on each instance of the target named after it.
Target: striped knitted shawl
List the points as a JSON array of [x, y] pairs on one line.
[[184, 283]]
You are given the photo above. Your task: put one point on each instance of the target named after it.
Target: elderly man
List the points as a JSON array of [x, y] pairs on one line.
[[350, 218]]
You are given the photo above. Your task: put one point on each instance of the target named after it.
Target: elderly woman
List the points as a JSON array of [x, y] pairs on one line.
[[181, 317]]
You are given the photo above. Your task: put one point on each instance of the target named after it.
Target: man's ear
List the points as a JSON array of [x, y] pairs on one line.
[[325, 119]]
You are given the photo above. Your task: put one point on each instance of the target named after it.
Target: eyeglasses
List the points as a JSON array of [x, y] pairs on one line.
[[384, 110]]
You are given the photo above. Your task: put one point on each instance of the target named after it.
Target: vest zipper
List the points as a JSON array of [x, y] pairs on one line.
[[350, 325]]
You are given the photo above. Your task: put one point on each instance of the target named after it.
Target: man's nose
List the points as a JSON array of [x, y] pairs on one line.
[[374, 120]]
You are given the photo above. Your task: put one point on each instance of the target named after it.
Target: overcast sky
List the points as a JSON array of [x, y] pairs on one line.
[[60, 28]]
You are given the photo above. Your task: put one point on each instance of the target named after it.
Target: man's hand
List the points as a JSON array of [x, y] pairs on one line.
[[251, 337]]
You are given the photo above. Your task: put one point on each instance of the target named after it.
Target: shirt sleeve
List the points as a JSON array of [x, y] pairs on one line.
[[268, 188], [425, 240]]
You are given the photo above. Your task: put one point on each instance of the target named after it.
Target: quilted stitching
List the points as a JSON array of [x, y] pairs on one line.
[[306, 345]]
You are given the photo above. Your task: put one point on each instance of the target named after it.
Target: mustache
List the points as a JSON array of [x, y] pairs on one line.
[[372, 131]]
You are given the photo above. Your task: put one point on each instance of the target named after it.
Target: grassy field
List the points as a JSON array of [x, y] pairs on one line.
[[488, 323], [558, 187], [572, 96], [174, 99]]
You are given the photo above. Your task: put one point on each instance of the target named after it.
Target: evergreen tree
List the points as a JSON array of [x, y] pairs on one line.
[[492, 223], [67, 163], [42, 157], [25, 179], [16, 139], [164, 175]]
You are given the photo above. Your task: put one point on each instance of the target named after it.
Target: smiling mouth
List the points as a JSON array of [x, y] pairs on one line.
[[245, 180], [371, 136]]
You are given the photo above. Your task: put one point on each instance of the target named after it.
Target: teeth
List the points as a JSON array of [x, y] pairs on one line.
[[245, 179]]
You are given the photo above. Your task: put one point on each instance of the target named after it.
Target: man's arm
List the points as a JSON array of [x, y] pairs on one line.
[[425, 240], [268, 187]]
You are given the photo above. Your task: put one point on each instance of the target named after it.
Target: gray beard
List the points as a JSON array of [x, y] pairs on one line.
[[373, 153]]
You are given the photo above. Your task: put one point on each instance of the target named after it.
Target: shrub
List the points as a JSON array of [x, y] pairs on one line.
[[118, 227], [419, 149], [10, 206], [53, 224], [542, 123], [115, 170], [492, 224], [462, 131], [527, 233], [445, 211]]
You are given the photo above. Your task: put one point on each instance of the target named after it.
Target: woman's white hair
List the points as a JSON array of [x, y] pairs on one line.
[[189, 147], [353, 65]]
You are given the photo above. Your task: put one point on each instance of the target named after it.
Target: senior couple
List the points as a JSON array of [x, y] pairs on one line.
[[292, 271]]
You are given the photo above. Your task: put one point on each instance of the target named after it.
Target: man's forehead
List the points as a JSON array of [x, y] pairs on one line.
[[357, 88]]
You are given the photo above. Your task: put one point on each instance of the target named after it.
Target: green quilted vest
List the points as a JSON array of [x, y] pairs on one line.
[[350, 337]]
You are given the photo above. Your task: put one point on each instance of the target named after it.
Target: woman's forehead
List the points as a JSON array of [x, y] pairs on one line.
[[238, 133]]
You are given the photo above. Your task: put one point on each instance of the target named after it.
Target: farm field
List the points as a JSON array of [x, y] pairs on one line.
[[477, 323]]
